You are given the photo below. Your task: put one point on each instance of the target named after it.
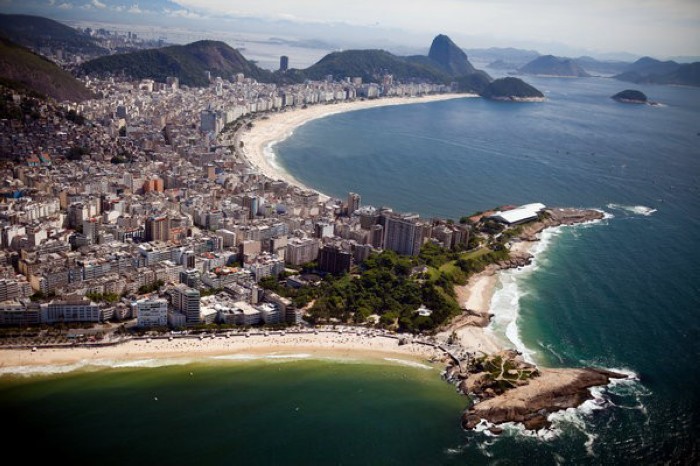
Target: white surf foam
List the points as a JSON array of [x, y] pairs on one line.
[[151, 363], [505, 303], [634, 209], [408, 363], [237, 357], [287, 356], [270, 155], [41, 370]]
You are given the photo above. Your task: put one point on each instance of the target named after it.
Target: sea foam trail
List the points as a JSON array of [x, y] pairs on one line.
[[408, 363], [634, 209], [94, 364]]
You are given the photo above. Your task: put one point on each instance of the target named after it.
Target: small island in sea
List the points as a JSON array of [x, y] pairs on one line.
[[512, 90], [631, 96]]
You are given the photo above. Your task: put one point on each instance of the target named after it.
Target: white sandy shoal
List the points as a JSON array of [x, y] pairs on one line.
[[332, 345], [257, 142]]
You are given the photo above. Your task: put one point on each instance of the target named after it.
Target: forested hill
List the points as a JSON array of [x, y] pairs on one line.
[[187, 62], [23, 69]]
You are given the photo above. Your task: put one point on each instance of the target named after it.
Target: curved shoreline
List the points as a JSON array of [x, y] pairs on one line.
[[259, 141]]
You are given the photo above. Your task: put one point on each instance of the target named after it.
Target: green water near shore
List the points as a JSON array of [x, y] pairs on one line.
[[223, 412]]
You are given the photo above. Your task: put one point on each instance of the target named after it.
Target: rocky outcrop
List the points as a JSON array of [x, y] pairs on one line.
[[531, 404], [516, 260], [557, 217]]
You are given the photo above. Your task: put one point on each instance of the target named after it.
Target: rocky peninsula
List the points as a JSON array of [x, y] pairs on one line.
[[501, 385]]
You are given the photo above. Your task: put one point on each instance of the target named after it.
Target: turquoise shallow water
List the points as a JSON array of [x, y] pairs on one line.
[[622, 293]]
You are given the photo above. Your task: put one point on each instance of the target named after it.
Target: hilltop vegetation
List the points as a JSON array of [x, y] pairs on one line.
[[511, 89], [21, 68], [450, 58], [187, 62], [38, 32], [371, 65]]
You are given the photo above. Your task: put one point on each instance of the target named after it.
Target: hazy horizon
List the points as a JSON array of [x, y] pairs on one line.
[[624, 29]]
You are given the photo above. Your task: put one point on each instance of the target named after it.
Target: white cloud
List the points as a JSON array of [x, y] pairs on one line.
[[135, 9], [183, 13], [98, 4], [65, 6]]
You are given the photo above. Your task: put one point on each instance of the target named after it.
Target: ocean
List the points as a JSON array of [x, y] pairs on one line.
[[622, 293]]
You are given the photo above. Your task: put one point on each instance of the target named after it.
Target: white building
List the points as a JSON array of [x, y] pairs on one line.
[[522, 214], [269, 313], [150, 312], [73, 311]]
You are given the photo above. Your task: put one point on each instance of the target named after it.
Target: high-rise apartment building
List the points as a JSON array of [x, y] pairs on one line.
[[186, 300], [158, 228], [404, 233]]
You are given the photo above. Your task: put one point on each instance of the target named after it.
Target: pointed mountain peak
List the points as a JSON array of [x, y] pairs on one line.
[[449, 56]]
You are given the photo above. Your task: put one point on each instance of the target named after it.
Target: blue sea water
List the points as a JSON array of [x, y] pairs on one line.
[[623, 293]]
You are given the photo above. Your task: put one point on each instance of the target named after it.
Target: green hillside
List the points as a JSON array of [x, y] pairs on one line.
[[511, 88], [22, 68], [38, 32], [187, 62], [371, 65]]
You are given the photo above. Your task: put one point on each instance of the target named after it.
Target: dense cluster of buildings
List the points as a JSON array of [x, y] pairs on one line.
[[163, 206]]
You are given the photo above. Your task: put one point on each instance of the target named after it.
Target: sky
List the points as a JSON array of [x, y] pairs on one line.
[[659, 28]]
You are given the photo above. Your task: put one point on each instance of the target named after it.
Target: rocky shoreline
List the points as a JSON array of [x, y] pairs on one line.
[[503, 387]]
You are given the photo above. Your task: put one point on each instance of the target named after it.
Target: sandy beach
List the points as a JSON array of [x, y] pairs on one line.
[[279, 126], [346, 345]]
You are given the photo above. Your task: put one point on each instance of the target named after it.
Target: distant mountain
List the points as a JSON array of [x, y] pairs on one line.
[[647, 66], [37, 32], [23, 69], [607, 67], [371, 65], [187, 62], [549, 65], [652, 71], [513, 89], [449, 58], [505, 58], [630, 96], [446, 63]]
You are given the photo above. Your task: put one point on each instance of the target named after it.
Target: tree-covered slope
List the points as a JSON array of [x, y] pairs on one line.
[[21, 67], [37, 32], [511, 89], [371, 65], [188, 62]]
